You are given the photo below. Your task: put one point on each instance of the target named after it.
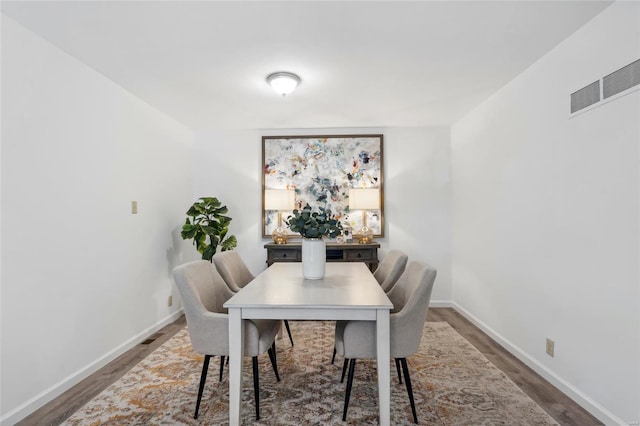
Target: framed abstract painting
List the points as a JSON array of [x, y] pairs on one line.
[[321, 171]]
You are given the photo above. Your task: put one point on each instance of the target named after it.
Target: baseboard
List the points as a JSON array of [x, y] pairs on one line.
[[59, 388], [441, 304], [568, 389]]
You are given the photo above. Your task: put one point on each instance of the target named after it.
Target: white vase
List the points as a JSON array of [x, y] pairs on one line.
[[314, 257]]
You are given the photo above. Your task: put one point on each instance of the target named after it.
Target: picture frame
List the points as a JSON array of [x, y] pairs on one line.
[[321, 170]]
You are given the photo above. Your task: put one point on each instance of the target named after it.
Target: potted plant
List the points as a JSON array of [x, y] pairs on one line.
[[313, 226], [207, 219]]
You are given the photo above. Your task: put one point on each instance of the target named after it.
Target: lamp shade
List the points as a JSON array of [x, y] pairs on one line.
[[279, 199], [364, 199]]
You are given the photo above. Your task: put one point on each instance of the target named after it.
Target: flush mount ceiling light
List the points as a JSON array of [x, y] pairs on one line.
[[283, 82]]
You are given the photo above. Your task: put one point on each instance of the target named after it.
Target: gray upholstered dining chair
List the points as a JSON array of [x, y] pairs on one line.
[[357, 339], [387, 274], [236, 274], [203, 293], [390, 268]]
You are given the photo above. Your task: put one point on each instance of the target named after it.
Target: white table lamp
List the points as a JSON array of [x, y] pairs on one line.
[[364, 199], [279, 199]]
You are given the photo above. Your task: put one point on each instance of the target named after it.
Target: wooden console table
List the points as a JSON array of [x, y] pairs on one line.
[[336, 252]]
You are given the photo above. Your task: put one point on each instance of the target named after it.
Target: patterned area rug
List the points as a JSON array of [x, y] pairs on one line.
[[453, 384]]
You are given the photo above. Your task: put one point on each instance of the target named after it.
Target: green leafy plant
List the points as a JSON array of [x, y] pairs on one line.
[[314, 224], [207, 219]]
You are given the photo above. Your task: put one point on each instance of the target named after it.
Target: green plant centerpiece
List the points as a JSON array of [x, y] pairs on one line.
[[314, 224], [207, 219]]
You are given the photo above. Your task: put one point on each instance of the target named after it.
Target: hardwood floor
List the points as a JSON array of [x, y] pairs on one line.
[[558, 405], [61, 408]]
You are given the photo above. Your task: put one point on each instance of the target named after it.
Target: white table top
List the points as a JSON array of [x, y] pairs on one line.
[[345, 285]]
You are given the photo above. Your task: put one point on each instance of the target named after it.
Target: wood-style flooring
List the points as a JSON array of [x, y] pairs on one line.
[[557, 404]]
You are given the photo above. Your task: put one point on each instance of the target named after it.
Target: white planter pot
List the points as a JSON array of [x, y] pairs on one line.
[[314, 258]]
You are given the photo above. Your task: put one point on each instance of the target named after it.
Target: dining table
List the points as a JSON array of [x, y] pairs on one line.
[[348, 291]]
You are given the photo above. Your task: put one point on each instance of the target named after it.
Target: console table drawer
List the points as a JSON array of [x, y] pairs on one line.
[[285, 255], [363, 255], [336, 252]]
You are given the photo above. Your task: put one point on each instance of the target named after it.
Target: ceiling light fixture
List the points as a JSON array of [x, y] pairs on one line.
[[283, 82]]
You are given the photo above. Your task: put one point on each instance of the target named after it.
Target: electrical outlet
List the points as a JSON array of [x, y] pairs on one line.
[[550, 347], [170, 301], [134, 207]]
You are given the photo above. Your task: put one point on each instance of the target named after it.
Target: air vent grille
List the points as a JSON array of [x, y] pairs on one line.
[[621, 80], [586, 96], [615, 83]]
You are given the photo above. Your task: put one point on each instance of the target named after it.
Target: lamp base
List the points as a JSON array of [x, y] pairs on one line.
[[364, 239], [279, 236], [366, 235]]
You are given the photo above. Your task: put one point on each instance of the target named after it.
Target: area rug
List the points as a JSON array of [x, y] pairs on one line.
[[453, 384]]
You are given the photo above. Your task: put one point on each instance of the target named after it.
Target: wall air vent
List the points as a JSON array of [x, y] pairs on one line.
[[586, 96], [621, 80]]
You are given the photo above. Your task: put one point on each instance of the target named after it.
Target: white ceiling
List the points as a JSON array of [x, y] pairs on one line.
[[363, 64]]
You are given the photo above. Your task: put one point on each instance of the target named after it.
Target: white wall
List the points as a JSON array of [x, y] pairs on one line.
[[546, 219], [545, 213], [417, 191], [82, 278]]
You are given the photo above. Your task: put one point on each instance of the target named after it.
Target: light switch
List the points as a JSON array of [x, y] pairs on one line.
[[134, 207], [550, 347]]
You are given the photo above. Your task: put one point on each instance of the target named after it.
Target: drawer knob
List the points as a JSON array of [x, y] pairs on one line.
[[359, 255], [284, 255]]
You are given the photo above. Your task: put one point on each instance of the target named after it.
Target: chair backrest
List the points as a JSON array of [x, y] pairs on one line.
[[390, 268], [232, 269], [200, 285], [411, 296]]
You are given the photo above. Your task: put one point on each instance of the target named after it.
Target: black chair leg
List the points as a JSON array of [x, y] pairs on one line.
[[221, 366], [352, 367], [256, 390], [344, 369], [407, 381], [398, 370], [203, 378], [286, 324], [274, 363], [333, 358]]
